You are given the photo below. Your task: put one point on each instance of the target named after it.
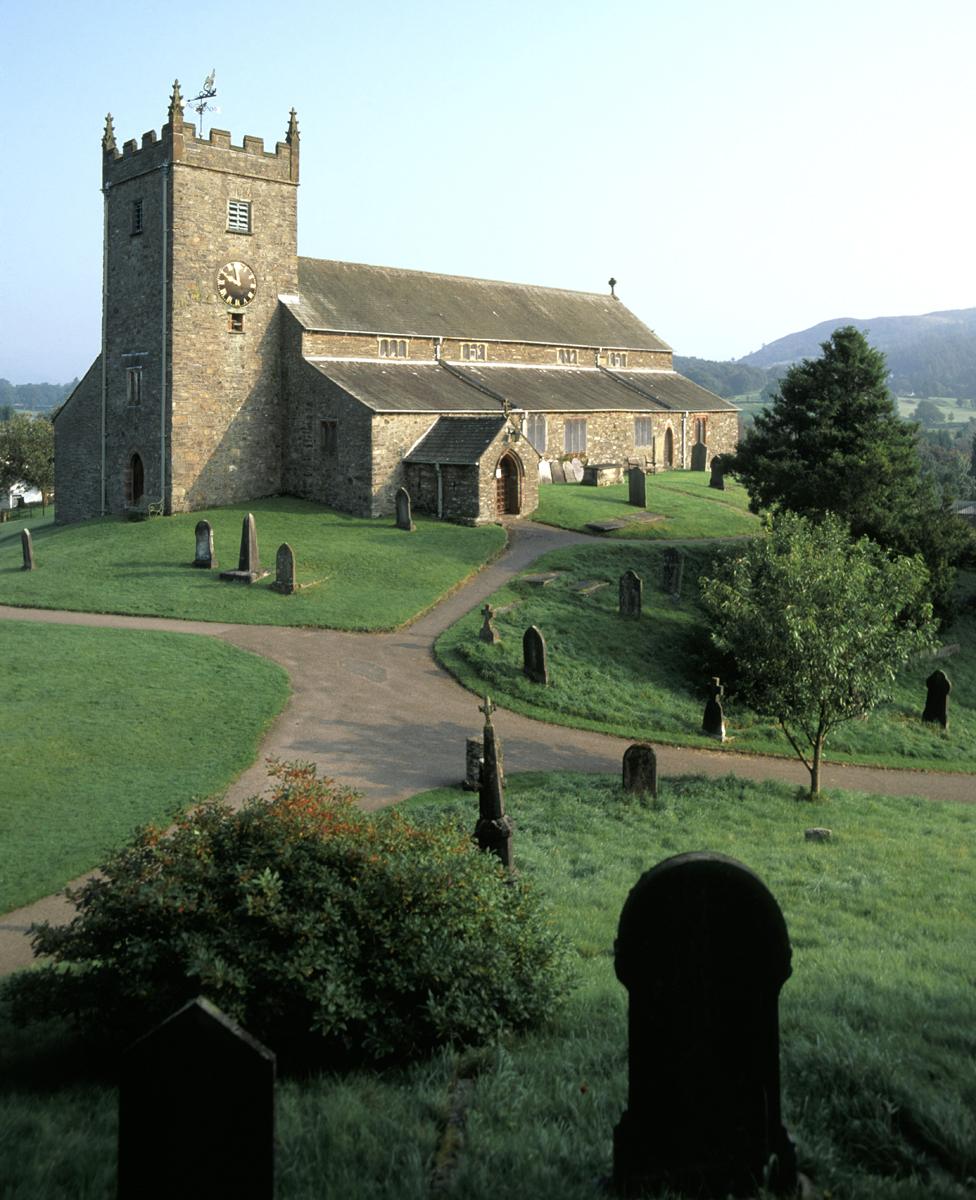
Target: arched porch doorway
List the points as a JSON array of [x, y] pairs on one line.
[[135, 480], [508, 493], [668, 447]]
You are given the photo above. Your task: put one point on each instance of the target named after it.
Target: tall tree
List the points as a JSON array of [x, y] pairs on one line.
[[818, 626], [832, 441]]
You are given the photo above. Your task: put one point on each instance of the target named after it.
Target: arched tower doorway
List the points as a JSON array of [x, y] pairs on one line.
[[135, 480], [508, 495], [668, 447]]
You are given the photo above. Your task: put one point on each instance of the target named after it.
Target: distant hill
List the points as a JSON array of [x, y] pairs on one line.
[[723, 378], [929, 355]]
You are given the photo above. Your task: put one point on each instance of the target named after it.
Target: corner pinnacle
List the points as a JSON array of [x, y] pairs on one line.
[[176, 105], [108, 137], [291, 137]]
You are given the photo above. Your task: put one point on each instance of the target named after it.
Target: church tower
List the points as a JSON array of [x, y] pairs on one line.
[[200, 240]]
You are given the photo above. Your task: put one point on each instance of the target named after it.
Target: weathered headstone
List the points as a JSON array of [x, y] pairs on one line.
[[640, 769], [574, 471], [545, 471], [196, 1111], [817, 834], [494, 829], [713, 720], [284, 581], [631, 594], [474, 754], [248, 562], [703, 951], [404, 519], [637, 487], [27, 547], [673, 571], [204, 555], [488, 633], [699, 456], [557, 471], [534, 660], [936, 699], [717, 477]]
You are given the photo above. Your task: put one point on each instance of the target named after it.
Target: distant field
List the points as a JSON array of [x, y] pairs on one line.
[[956, 412]]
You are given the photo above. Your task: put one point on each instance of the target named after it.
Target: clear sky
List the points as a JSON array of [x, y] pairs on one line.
[[743, 169]]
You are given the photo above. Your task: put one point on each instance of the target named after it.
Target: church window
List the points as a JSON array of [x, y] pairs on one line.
[[236, 324], [701, 430], [329, 436], [474, 351], [642, 431], [568, 354], [238, 216], [617, 358], [133, 385], [137, 216], [535, 431], [574, 436], [393, 348]]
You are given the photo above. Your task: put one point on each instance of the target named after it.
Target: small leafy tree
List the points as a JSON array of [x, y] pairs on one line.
[[818, 626], [27, 452]]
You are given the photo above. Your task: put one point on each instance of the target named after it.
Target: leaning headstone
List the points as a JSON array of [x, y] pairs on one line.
[[631, 594], [27, 546], [673, 571], [488, 633], [196, 1111], [248, 562], [404, 519], [557, 471], [534, 659], [640, 769], [717, 477], [545, 471], [703, 951], [637, 487], [574, 471], [713, 720], [204, 556], [936, 698], [474, 755], [493, 831], [699, 456], [284, 570]]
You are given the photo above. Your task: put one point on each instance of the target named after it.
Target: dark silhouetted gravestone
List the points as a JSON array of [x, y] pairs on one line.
[[534, 661], [248, 562], [27, 546], [631, 594], [637, 487], [703, 950], [196, 1111], [673, 571], [699, 456], [494, 829], [936, 698], [284, 581], [558, 471], [640, 769], [713, 719], [717, 477], [488, 633], [474, 756], [204, 555], [404, 518]]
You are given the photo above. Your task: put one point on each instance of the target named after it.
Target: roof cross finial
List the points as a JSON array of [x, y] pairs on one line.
[[613, 284]]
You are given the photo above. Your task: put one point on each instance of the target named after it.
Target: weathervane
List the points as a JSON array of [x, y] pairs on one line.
[[207, 92]]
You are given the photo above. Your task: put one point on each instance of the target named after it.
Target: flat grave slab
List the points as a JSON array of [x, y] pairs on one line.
[[542, 579], [586, 587]]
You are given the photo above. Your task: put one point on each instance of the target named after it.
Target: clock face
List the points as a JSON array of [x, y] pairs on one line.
[[236, 284]]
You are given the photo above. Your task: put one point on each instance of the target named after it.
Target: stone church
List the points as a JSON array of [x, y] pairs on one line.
[[231, 368]]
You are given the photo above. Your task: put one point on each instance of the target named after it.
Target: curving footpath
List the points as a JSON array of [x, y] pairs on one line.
[[376, 713]]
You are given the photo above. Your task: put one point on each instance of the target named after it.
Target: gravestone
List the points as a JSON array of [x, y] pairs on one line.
[[474, 753], [488, 633], [936, 698], [284, 570], [534, 661], [673, 571], [717, 477], [640, 769], [196, 1111], [27, 547], [494, 829], [699, 456], [404, 519], [204, 556], [631, 594], [248, 562], [574, 471], [545, 471], [637, 487], [713, 720], [557, 471], [703, 951]]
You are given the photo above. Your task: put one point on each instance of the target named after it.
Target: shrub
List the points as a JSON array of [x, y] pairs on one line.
[[318, 927]]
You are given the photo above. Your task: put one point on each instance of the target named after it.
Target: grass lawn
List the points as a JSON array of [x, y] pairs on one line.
[[647, 678], [355, 573], [107, 729], [692, 508], [878, 1046]]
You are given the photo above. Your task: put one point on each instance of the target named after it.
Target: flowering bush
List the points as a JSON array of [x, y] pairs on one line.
[[311, 923]]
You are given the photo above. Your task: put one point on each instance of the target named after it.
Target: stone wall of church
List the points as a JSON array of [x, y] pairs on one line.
[[611, 437], [77, 454], [394, 436]]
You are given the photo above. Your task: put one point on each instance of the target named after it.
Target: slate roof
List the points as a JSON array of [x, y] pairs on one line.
[[457, 440], [405, 387], [357, 298]]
